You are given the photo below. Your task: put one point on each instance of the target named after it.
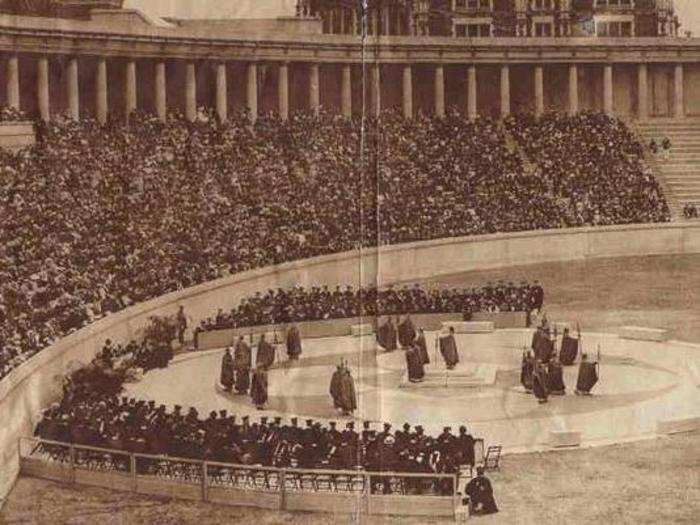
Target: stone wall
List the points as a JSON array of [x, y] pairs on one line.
[[33, 386]]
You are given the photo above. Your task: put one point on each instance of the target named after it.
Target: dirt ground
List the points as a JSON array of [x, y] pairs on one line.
[[653, 481]]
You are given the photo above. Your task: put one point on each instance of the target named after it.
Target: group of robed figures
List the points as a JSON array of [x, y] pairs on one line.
[[404, 335], [542, 371]]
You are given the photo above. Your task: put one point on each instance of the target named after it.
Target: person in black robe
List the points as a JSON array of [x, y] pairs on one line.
[[258, 388], [555, 378], [334, 389], [293, 343], [347, 398], [242, 361], [265, 357], [569, 349], [587, 376], [387, 336], [543, 345], [448, 349], [465, 446], [407, 333], [539, 382], [414, 364], [422, 347], [527, 369], [227, 372], [480, 492]]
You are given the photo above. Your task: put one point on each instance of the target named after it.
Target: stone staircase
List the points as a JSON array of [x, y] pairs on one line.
[[679, 171]]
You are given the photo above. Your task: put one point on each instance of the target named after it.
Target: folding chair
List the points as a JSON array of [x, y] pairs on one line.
[[493, 457]]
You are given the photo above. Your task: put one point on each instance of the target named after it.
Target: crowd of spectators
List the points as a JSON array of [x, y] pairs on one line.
[[96, 218], [321, 302]]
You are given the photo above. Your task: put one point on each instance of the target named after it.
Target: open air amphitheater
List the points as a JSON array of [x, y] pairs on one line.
[[171, 190]]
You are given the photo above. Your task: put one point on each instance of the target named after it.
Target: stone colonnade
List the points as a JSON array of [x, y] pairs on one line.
[[404, 86]]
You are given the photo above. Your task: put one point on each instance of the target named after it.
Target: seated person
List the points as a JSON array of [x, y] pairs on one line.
[[480, 494]]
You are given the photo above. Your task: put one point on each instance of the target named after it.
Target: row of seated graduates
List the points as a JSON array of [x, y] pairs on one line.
[[321, 302], [140, 427]]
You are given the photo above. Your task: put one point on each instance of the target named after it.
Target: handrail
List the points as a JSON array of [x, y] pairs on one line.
[[262, 468]]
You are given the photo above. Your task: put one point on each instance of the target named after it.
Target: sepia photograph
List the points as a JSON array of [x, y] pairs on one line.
[[349, 261]]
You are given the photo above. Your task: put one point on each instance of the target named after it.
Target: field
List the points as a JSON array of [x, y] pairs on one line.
[[654, 481]]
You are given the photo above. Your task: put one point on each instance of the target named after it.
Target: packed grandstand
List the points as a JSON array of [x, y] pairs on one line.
[[96, 218]]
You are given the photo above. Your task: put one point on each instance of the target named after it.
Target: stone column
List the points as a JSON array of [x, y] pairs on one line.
[[72, 88], [385, 20], [407, 91], [346, 91], [472, 111], [314, 89], [160, 91], [221, 92], [101, 103], [678, 98], [42, 88], [341, 20], [252, 91], [375, 90], [353, 21], [283, 90], [505, 91], [642, 92], [608, 104], [573, 89], [190, 92], [12, 81], [539, 90], [130, 88], [440, 90]]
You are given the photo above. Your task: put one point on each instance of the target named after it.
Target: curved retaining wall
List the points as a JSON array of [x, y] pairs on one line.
[[37, 383]]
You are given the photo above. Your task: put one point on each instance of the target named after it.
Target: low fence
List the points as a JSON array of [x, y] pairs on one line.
[[342, 327], [334, 491]]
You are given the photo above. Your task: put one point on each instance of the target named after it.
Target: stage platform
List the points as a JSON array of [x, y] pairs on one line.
[[464, 375]]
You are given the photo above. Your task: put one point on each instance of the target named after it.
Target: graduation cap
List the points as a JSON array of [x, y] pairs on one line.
[[309, 422], [462, 429], [332, 424], [278, 420], [350, 424], [447, 429], [212, 413], [263, 420], [365, 424], [387, 426], [222, 413], [406, 426], [294, 421], [245, 418], [419, 429]]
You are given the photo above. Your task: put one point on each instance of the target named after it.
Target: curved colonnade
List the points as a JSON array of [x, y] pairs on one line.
[[37, 383]]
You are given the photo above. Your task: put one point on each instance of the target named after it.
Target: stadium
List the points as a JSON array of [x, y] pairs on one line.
[[383, 261]]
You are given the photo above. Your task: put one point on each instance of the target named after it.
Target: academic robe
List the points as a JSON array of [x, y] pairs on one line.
[[227, 373], [539, 383], [422, 347], [386, 337], [334, 389], [569, 350], [448, 349], [544, 348], [347, 398], [265, 357], [414, 364], [242, 359], [480, 495], [526, 371], [587, 377], [407, 333], [293, 342], [555, 379], [258, 389]]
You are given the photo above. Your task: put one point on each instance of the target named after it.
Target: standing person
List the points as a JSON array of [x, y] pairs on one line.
[[537, 296], [348, 397], [480, 492], [527, 369], [258, 389], [265, 357], [407, 332], [422, 347], [414, 364], [181, 325], [334, 389], [555, 378], [242, 361], [540, 383], [227, 372], [569, 349], [448, 349], [387, 337], [587, 376], [293, 343]]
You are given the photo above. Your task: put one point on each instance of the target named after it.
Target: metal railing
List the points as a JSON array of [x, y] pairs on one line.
[[154, 474]]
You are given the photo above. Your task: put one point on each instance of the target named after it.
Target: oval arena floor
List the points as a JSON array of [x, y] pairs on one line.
[[640, 383]]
